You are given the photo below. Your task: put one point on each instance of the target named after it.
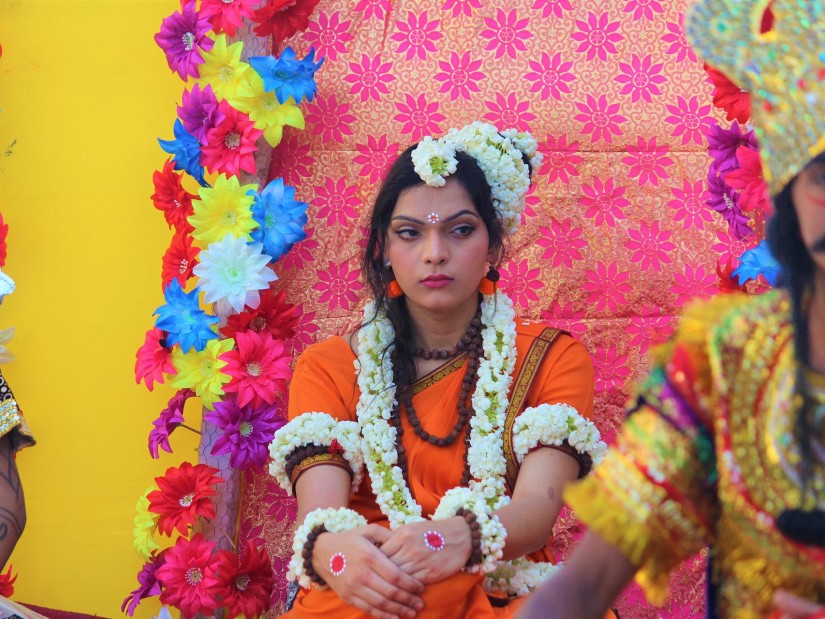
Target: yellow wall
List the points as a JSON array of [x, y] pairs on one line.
[[84, 92]]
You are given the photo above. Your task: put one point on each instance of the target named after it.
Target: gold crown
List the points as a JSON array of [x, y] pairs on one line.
[[782, 69]]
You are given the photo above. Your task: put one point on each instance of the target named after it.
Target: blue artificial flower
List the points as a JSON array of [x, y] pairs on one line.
[[186, 152], [183, 320], [281, 219], [287, 76], [758, 261]]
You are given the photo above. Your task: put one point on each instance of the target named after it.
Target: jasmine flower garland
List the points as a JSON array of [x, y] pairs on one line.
[[315, 428], [552, 424]]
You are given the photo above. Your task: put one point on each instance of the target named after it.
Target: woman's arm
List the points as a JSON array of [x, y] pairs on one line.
[[12, 503], [586, 586], [370, 582]]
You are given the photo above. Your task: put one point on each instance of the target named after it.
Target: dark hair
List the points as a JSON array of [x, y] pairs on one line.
[[403, 176], [787, 246]]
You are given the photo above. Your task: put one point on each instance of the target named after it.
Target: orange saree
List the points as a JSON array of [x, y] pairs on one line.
[[551, 367]]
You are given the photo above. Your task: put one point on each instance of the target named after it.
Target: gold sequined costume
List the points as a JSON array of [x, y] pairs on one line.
[[12, 421], [707, 457]]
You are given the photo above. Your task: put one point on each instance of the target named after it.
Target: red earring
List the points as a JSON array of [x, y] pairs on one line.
[[394, 290], [488, 282]]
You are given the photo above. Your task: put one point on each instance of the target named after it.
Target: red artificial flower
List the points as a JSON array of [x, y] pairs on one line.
[[179, 260], [4, 231], [729, 97], [171, 198], [231, 144], [153, 359], [189, 576], [273, 314], [227, 15], [185, 493], [727, 282], [283, 18], [749, 180], [245, 583], [7, 583], [259, 367]]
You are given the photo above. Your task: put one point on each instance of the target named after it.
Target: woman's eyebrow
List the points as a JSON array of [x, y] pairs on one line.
[[450, 218]]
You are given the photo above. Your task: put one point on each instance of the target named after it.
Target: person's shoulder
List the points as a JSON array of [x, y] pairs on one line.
[[529, 331]]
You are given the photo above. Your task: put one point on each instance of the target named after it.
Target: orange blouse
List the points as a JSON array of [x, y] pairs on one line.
[[325, 381]]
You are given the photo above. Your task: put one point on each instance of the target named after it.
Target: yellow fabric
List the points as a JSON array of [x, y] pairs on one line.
[[325, 381], [707, 457]]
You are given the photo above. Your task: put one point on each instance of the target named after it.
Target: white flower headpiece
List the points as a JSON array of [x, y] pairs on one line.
[[498, 154]]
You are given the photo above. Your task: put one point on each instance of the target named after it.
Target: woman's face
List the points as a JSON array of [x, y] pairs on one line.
[[808, 193], [438, 247]]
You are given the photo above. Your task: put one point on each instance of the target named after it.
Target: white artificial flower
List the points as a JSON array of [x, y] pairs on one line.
[[6, 355], [232, 273]]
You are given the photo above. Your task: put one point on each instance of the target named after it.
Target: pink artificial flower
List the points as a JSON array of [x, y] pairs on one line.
[[169, 419], [182, 37], [231, 145], [228, 15], [153, 359], [259, 368], [750, 180], [189, 576]]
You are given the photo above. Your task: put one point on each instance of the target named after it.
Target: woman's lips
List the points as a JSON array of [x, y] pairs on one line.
[[437, 281]]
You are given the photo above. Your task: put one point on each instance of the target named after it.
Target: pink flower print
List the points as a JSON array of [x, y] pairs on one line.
[[553, 7], [689, 205], [508, 113], [550, 76], [565, 318], [521, 282], [330, 120], [562, 243], [460, 76], [641, 78], [336, 201], [649, 330], [301, 253], [560, 160], [650, 246], [373, 8], [338, 286], [598, 36], [416, 36], [375, 157], [679, 45], [329, 35], [643, 8], [647, 161], [604, 202], [606, 286], [291, 161], [370, 78], [730, 247], [694, 283], [305, 333], [690, 120], [506, 33], [611, 371], [419, 118], [531, 201], [600, 118], [461, 7], [281, 506]]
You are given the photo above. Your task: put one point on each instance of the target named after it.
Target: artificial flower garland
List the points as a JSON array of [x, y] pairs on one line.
[[320, 429], [334, 521], [498, 154]]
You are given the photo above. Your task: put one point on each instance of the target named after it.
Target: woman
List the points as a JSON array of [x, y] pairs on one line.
[[430, 447], [725, 446]]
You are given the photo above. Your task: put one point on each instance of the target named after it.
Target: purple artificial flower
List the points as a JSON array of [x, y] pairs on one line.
[[148, 584], [724, 199], [182, 37], [169, 419], [247, 431], [722, 145], [199, 111]]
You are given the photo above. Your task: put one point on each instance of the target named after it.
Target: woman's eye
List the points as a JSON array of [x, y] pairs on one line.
[[464, 230], [406, 233]]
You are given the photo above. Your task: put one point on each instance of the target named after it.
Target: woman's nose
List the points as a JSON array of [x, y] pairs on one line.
[[435, 249]]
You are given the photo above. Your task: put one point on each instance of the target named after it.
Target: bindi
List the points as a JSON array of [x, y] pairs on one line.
[[433, 218]]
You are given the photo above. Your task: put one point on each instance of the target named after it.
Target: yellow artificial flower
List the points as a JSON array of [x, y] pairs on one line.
[[225, 208], [145, 525], [268, 114], [224, 70], [201, 371]]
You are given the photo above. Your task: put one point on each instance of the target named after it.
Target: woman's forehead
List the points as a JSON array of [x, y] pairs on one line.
[[446, 200]]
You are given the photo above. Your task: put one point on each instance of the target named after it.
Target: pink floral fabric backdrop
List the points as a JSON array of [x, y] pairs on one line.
[[617, 237]]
